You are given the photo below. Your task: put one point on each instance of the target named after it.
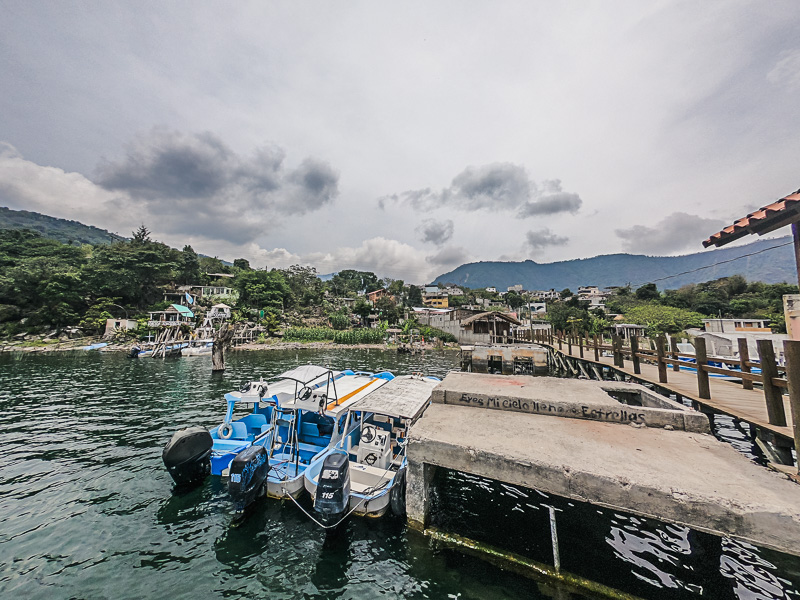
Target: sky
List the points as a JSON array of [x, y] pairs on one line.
[[401, 138]]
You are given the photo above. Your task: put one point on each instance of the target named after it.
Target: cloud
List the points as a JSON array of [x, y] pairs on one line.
[[536, 240], [679, 231], [497, 186], [450, 256], [435, 232], [194, 183], [786, 72]]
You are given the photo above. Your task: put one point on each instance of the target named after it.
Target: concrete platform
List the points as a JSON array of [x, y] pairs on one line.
[[676, 476]]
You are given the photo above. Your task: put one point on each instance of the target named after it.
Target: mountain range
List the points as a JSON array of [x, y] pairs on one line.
[[756, 261], [770, 261]]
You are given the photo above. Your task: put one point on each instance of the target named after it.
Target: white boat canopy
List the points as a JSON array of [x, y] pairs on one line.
[[405, 397], [305, 373]]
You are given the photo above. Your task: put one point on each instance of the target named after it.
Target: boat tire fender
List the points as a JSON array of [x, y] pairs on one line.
[[225, 431], [397, 497]]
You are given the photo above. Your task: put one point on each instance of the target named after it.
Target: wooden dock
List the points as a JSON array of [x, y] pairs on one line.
[[727, 397]]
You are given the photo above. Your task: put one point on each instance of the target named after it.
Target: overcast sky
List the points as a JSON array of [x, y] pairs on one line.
[[401, 138]]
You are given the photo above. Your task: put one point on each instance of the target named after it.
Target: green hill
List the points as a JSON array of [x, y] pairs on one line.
[[58, 229], [773, 266]]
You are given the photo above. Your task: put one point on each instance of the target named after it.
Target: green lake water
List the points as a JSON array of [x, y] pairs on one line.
[[88, 510]]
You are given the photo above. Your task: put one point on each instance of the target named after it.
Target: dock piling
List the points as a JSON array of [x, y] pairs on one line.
[[554, 539], [674, 346], [703, 384], [791, 350], [637, 369], [744, 358], [662, 366], [772, 393]]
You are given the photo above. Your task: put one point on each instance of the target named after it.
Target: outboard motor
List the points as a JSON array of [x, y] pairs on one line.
[[247, 476], [134, 352], [333, 487], [187, 455]]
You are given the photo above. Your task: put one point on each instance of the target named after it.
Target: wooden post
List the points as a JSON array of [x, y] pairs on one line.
[[569, 345], [558, 337], [674, 343], [619, 359], [703, 385], [662, 366], [580, 344], [635, 355], [791, 350], [772, 393], [596, 350], [744, 357], [222, 339]]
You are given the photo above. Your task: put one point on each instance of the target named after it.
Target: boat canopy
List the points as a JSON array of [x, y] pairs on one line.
[[305, 374], [405, 397]]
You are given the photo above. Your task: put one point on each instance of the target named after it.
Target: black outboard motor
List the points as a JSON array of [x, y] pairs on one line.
[[248, 476], [333, 487], [134, 352], [187, 455]]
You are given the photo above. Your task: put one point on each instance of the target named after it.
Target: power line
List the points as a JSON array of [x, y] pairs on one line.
[[722, 262]]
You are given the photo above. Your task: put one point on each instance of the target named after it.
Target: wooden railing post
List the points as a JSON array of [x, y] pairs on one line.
[[580, 344], [596, 350], [744, 357], [674, 344], [662, 366], [558, 337], [703, 384], [569, 345], [635, 355], [791, 350], [772, 393]]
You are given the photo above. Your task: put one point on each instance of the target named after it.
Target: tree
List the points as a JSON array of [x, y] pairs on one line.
[[564, 317], [659, 319], [514, 300], [348, 282], [414, 296], [566, 293], [387, 310], [305, 284], [242, 264], [648, 291], [189, 266], [263, 290], [362, 308]]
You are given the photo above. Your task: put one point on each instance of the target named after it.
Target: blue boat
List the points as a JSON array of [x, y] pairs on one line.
[[291, 419], [364, 472]]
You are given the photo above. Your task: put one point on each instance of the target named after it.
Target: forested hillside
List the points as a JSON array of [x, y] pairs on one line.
[[67, 232]]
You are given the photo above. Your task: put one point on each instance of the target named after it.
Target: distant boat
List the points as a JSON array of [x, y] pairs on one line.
[[198, 348], [94, 346]]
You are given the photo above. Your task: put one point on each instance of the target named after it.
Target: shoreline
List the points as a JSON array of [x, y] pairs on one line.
[[79, 345]]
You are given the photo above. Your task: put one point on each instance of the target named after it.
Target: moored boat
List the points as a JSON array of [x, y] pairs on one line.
[[364, 473]]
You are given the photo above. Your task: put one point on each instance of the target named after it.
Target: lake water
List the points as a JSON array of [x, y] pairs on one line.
[[88, 510]]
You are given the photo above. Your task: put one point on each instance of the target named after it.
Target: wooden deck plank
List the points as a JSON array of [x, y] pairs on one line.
[[726, 397]]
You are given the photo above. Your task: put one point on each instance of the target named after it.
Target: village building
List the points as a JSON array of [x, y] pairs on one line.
[[515, 288], [377, 295], [736, 325], [174, 316], [113, 325], [470, 326]]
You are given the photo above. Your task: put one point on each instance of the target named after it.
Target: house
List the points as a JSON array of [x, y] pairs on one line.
[[736, 326], [492, 290], [440, 301], [628, 330], [175, 316], [469, 326], [219, 311], [515, 288], [113, 325], [549, 295], [377, 295]]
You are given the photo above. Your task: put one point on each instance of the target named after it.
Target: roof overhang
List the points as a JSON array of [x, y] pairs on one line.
[[765, 220]]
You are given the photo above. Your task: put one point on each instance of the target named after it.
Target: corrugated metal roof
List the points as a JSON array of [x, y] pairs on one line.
[[766, 219]]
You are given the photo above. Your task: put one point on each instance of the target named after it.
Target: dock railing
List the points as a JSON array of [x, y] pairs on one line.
[[774, 378]]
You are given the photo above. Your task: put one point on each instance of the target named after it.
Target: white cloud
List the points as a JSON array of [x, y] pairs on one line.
[[679, 231]]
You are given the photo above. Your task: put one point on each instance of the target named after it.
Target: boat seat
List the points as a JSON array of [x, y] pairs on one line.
[[309, 429], [239, 430], [254, 421]]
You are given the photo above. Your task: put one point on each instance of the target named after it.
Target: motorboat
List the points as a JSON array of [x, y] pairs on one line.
[[198, 348], [364, 472], [291, 419], [311, 421]]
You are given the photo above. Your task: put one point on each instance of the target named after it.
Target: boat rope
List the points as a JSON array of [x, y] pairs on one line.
[[310, 516]]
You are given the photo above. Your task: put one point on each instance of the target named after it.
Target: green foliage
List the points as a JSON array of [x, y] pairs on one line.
[[648, 291], [359, 336], [242, 264], [414, 296], [348, 283], [387, 310], [659, 319], [263, 290], [305, 284], [94, 321], [189, 267], [62, 230], [565, 317], [308, 334], [271, 323], [340, 320], [362, 308], [432, 332]]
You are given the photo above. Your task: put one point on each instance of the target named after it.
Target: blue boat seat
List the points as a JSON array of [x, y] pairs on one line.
[[239, 430], [309, 429], [254, 421]]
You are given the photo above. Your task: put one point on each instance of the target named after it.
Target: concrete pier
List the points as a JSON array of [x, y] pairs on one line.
[[648, 467]]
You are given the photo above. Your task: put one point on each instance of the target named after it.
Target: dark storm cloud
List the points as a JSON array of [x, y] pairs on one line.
[[435, 232], [536, 240], [679, 231], [498, 186], [194, 183], [449, 256]]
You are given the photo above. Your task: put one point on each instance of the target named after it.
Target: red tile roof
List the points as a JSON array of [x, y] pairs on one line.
[[767, 218]]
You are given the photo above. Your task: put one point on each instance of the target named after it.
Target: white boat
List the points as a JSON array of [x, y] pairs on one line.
[[198, 348], [364, 473]]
